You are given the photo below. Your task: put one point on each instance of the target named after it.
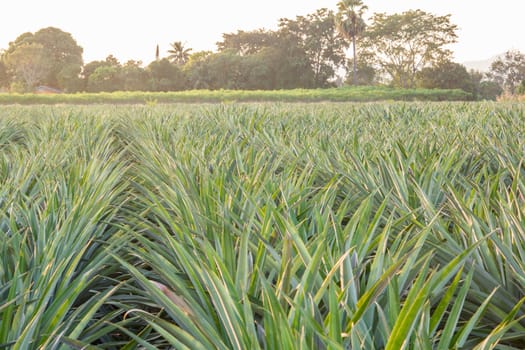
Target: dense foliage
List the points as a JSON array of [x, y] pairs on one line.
[[401, 45], [314, 226], [509, 71], [49, 56], [304, 52]]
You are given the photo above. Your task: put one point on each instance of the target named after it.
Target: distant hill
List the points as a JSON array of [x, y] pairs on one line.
[[481, 65]]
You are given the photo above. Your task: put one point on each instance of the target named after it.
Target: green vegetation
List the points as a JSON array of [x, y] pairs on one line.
[[48, 57], [273, 226], [509, 72], [356, 94], [406, 50], [350, 24]]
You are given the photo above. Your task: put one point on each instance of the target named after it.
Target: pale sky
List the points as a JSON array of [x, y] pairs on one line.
[[131, 29]]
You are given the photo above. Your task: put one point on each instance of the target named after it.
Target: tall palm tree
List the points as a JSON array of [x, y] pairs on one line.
[[350, 23], [178, 53]]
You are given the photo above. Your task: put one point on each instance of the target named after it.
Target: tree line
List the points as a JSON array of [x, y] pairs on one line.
[[407, 50]]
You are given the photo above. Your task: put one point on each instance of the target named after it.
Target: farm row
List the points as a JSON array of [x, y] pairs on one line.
[[246, 226]]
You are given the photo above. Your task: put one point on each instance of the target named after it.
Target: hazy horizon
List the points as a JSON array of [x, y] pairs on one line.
[[132, 30]]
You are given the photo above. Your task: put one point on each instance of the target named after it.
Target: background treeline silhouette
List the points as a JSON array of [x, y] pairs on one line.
[[306, 52]]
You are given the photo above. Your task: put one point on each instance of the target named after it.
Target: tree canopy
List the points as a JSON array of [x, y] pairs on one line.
[[317, 36], [403, 44], [247, 43], [28, 64], [409, 49], [509, 71], [45, 57]]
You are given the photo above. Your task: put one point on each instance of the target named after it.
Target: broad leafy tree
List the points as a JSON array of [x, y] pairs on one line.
[[62, 50], [134, 76], [108, 77], [304, 52], [89, 68], [165, 76], [130, 76], [28, 65], [248, 43], [70, 79], [293, 68], [225, 70], [61, 53], [452, 75], [266, 59], [317, 36], [105, 78], [489, 90], [445, 75], [350, 23], [260, 70], [403, 44], [509, 71], [196, 70]]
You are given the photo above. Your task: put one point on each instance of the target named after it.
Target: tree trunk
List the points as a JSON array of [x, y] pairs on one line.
[[355, 60]]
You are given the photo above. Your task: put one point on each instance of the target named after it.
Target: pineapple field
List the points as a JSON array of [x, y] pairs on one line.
[[382, 225]]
